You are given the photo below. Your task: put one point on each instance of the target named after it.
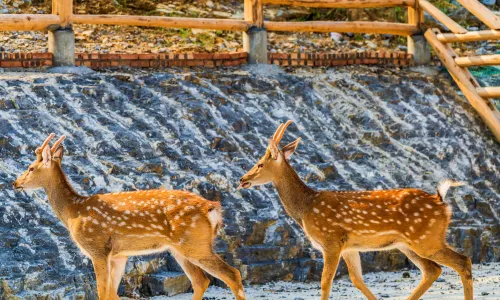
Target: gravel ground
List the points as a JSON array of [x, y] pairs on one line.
[[387, 285]]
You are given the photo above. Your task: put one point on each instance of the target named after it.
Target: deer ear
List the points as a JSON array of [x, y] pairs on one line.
[[46, 157], [273, 148], [59, 153], [289, 149]]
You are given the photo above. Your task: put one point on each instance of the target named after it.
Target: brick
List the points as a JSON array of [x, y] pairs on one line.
[[221, 56], [129, 56], [171, 56], [203, 56], [231, 63], [110, 56], [94, 55], [139, 63], [45, 62], [276, 62], [294, 56], [243, 54], [147, 56], [190, 56], [194, 63], [209, 63], [11, 64], [154, 63], [39, 55]]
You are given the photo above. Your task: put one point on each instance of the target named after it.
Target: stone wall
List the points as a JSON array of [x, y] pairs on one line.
[[199, 130]]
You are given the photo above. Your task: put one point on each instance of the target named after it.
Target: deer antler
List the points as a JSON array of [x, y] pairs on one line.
[[282, 132], [276, 133], [45, 143], [57, 143]]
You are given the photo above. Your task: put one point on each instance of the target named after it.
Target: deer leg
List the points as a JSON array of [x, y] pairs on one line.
[[216, 267], [198, 279], [117, 270], [353, 263], [460, 263], [430, 272], [102, 274], [331, 261]]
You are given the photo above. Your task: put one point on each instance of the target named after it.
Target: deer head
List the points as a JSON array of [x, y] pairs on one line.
[[39, 172], [264, 170]]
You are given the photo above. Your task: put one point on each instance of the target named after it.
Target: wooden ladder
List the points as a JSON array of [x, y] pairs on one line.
[[478, 97]]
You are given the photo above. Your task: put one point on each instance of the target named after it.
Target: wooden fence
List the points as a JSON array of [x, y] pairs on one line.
[[478, 97], [62, 17]]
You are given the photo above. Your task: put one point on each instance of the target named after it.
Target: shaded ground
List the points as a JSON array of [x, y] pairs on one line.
[[389, 285]]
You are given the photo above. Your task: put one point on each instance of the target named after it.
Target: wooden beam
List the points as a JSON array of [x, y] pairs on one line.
[[165, 22], [64, 9], [27, 22], [254, 12], [482, 13], [481, 60], [441, 17], [343, 3], [490, 117], [355, 27], [489, 92], [471, 36]]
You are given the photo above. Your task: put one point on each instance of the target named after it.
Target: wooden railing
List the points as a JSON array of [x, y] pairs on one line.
[[478, 97]]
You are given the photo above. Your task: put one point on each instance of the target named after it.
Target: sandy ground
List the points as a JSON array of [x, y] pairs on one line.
[[385, 285]]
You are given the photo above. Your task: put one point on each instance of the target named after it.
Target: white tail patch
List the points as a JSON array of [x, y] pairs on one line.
[[443, 188], [215, 218]]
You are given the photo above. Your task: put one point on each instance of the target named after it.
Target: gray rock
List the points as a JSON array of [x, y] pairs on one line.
[[143, 130]]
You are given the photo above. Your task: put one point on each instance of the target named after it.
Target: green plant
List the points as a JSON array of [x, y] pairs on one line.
[[184, 32]]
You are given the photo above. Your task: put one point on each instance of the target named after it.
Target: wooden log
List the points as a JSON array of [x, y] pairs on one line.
[[471, 36], [482, 13], [490, 117], [355, 27], [343, 3], [165, 22], [254, 12], [27, 22], [481, 60], [64, 9], [441, 17], [489, 92]]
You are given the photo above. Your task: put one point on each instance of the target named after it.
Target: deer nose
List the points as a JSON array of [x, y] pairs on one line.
[[14, 184], [241, 179]]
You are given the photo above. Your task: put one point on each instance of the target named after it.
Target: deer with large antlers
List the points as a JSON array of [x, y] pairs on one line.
[[108, 228], [344, 223]]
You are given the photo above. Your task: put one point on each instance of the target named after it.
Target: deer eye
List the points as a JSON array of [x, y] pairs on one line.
[[31, 169], [260, 166]]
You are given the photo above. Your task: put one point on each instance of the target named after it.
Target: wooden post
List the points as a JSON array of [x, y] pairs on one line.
[[469, 87], [417, 45], [62, 39], [255, 39]]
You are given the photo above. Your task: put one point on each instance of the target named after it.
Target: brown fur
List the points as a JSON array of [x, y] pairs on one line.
[[343, 223], [109, 228]]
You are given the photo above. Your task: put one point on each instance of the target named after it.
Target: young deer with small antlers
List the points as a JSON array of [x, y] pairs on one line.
[[108, 228], [343, 223]]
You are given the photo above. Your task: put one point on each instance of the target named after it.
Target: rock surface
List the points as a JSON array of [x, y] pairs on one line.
[[199, 130]]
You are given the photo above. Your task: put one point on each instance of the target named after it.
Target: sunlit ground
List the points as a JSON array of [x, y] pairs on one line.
[[390, 285]]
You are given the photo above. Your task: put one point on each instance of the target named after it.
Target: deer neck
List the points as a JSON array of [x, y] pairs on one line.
[[62, 197], [295, 195]]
